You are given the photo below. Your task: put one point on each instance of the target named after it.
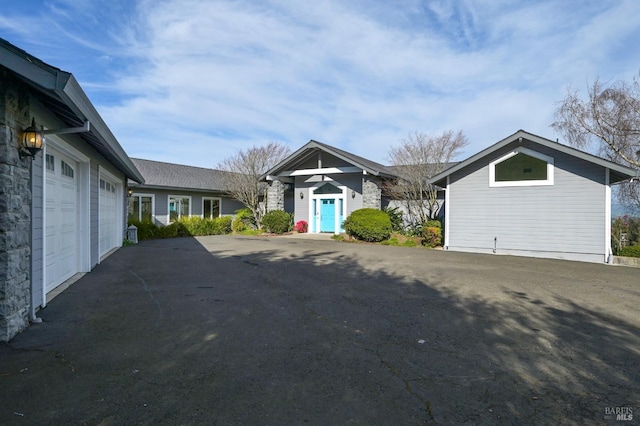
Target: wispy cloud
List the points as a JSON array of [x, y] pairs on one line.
[[191, 81]]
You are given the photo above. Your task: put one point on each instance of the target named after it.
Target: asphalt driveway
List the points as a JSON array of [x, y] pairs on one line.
[[246, 330]]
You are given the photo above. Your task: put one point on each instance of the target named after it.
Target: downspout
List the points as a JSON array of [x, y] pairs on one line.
[[32, 309], [447, 209], [608, 252]]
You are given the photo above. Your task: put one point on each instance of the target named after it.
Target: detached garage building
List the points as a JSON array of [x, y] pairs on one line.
[[530, 196], [64, 210]]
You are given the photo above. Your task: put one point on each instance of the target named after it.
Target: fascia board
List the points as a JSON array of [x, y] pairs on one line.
[[44, 76], [177, 188], [283, 164]]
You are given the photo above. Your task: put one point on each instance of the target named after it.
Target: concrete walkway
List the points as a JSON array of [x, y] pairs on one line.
[[270, 330]]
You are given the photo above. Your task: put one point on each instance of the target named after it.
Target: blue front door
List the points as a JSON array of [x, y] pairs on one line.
[[327, 215]]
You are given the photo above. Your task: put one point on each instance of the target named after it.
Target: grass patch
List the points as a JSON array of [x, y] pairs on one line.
[[396, 240], [251, 232]]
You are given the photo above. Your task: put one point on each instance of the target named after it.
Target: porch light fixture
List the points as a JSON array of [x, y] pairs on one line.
[[353, 194], [32, 140], [129, 192], [301, 195]]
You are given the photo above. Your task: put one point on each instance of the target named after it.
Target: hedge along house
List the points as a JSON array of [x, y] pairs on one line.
[[63, 210], [530, 196], [322, 185], [174, 191]]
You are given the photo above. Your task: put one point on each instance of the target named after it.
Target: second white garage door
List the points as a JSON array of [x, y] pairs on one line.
[[109, 233]]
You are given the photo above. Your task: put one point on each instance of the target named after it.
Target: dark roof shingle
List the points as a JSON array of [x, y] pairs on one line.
[[178, 176]]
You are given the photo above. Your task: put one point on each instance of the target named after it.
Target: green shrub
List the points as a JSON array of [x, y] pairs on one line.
[[222, 225], [193, 225], [238, 226], [431, 236], [277, 221], [630, 251], [395, 215], [243, 220], [188, 226], [368, 224], [174, 230], [147, 230], [198, 226], [434, 223]]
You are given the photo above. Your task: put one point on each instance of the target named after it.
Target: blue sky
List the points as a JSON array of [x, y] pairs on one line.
[[193, 81]]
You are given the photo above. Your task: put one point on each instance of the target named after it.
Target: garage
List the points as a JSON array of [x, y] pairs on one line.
[[55, 219], [109, 213], [61, 219]]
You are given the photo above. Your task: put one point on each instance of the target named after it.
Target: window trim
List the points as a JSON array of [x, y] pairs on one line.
[[153, 205], [520, 150], [212, 199]]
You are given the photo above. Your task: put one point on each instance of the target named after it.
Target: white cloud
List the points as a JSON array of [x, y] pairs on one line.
[[191, 81]]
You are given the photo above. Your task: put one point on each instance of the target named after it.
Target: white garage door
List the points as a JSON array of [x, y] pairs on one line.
[[109, 235], [61, 222]]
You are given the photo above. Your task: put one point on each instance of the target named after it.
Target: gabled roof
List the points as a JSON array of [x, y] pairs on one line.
[[159, 175], [618, 172], [312, 147], [61, 93]]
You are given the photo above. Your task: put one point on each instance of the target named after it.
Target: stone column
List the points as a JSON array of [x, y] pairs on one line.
[[371, 194], [15, 211], [275, 196]]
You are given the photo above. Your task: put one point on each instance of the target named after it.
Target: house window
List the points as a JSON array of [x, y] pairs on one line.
[[210, 208], [179, 207], [140, 208], [521, 167]]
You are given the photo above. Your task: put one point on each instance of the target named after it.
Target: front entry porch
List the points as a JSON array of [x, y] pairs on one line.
[[327, 209]]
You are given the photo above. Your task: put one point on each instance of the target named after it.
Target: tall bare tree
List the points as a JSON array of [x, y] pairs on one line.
[[606, 122], [418, 158], [246, 167]]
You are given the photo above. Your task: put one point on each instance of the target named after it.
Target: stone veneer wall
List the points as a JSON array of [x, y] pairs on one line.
[[371, 194], [275, 196], [15, 210]]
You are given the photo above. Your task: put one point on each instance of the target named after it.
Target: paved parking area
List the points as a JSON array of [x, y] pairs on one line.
[[247, 330]]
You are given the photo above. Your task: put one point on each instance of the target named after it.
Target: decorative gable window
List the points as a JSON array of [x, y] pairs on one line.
[[521, 167]]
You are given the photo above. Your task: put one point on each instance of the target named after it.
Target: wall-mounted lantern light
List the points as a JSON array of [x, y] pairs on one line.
[[353, 194], [301, 195], [129, 192], [31, 141]]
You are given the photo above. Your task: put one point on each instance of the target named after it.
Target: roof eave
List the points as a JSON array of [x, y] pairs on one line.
[[62, 86], [312, 144], [74, 97], [440, 178], [176, 188]]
